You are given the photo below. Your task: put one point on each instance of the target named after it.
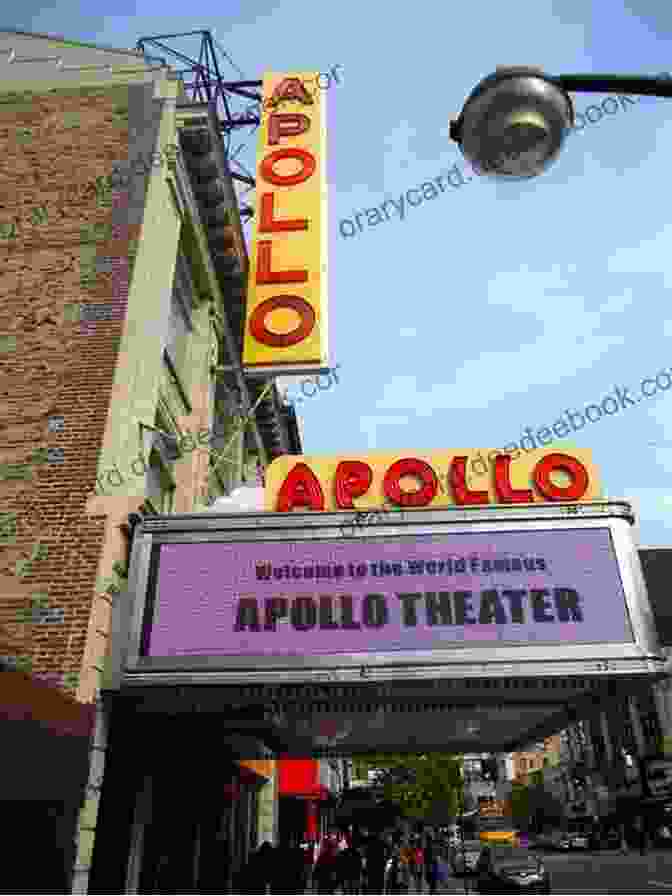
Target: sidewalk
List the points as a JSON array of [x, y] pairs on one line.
[[452, 885]]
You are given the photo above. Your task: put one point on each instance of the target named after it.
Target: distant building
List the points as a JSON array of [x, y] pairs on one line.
[[545, 753]]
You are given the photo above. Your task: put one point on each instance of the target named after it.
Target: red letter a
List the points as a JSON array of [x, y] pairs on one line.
[[291, 89], [301, 488]]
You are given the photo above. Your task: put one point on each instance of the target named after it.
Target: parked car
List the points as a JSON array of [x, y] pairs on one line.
[[560, 840], [510, 869], [610, 839], [542, 841], [464, 856], [579, 840], [564, 841], [663, 836]]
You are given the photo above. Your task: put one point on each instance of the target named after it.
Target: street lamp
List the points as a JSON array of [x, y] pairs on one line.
[[515, 121]]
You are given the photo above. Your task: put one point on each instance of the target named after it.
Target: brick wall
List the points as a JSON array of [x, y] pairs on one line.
[[63, 262]]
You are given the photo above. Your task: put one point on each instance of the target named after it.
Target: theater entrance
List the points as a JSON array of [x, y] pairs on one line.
[[456, 630]]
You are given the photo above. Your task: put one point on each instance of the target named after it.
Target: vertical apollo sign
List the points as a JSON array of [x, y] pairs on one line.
[[286, 318]]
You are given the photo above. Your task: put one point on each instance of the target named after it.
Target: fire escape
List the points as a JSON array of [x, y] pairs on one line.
[[226, 107]]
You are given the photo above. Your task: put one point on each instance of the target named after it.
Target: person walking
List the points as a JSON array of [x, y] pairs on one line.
[[324, 874], [309, 857], [288, 867], [417, 865], [394, 878], [624, 841], [406, 860], [431, 865], [376, 858], [255, 876], [642, 836], [349, 866]]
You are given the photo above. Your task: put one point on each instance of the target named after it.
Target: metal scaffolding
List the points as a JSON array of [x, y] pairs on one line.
[[204, 82]]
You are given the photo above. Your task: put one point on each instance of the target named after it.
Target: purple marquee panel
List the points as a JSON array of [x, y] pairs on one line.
[[311, 598]]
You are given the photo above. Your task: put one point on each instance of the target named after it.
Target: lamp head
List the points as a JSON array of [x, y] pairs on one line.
[[514, 123]]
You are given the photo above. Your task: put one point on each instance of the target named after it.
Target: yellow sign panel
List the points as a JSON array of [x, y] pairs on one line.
[[467, 477], [286, 317]]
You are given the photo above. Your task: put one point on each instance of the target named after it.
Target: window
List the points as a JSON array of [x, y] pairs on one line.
[[180, 325]]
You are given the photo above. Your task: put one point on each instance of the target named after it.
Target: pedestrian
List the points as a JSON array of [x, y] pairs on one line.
[[417, 865], [484, 860], [309, 854], [394, 881], [255, 875], [288, 873], [376, 858], [324, 873], [431, 865], [624, 842], [349, 867], [406, 861], [162, 874], [643, 836]]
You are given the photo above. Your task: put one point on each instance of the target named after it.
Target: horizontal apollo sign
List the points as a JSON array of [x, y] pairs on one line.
[[286, 317], [436, 480], [429, 592]]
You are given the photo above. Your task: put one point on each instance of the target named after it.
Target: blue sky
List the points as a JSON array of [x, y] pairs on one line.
[[495, 306]]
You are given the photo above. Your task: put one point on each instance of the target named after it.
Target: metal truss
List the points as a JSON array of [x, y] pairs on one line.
[[204, 82]]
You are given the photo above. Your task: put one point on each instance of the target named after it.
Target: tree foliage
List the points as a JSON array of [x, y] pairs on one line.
[[422, 784], [534, 806]]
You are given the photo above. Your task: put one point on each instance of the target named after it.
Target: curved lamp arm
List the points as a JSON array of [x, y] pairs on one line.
[[637, 85]]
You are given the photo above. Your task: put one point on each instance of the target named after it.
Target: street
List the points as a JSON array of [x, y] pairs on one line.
[[600, 873]]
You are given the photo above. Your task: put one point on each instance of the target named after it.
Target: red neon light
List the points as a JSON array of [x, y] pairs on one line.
[[505, 491], [458, 482], [410, 466], [308, 166], [301, 488], [291, 89], [268, 224], [353, 479], [286, 124], [569, 465], [261, 332], [264, 273]]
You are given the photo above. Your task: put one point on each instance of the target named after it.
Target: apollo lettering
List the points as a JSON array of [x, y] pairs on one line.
[[352, 479], [505, 606], [282, 126]]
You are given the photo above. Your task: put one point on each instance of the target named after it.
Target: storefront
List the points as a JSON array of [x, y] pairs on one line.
[[180, 803], [656, 803], [304, 804]]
